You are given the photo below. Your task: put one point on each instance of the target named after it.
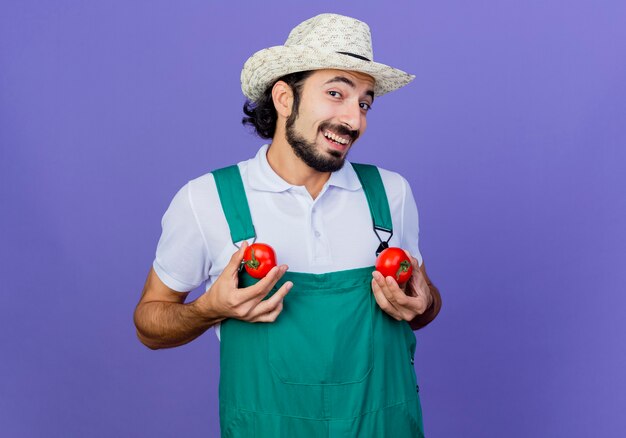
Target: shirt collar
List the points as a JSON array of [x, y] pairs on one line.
[[262, 177], [345, 178]]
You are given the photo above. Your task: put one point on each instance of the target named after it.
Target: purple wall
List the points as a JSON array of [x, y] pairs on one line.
[[512, 137]]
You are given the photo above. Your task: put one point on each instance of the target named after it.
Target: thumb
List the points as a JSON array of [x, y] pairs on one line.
[[232, 268], [413, 260]]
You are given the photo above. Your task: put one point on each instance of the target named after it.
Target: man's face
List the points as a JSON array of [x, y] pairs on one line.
[[330, 117]]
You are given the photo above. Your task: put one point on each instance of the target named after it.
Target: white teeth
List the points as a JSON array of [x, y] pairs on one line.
[[336, 138]]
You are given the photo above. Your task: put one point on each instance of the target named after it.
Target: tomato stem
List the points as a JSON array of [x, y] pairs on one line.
[[253, 262], [404, 267]]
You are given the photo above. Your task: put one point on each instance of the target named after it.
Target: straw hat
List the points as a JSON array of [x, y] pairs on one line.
[[324, 41]]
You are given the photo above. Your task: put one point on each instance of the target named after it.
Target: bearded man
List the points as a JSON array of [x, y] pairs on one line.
[[323, 345]]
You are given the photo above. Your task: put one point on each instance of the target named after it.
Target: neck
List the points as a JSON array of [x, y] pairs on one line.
[[292, 169]]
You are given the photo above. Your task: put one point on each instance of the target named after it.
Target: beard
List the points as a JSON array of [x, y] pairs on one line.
[[307, 152]]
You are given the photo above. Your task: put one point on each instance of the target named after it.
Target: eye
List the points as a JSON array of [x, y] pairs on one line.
[[365, 106], [334, 93]]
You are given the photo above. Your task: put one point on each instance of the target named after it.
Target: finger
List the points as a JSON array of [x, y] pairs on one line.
[[412, 306], [418, 283], [404, 306], [422, 290], [267, 306], [232, 268], [381, 282], [403, 309], [417, 276], [383, 302], [389, 287], [282, 292], [414, 264], [413, 260], [416, 307], [397, 296], [269, 316], [421, 283], [260, 289]]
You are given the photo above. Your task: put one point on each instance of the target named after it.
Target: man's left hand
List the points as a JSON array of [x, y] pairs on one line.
[[405, 302]]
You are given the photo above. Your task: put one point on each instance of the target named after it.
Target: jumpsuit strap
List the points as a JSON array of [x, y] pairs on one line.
[[372, 183], [234, 203]]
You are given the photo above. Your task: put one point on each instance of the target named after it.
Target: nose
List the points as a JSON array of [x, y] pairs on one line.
[[351, 116]]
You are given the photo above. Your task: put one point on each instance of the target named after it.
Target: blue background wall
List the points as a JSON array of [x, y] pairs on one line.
[[512, 137]]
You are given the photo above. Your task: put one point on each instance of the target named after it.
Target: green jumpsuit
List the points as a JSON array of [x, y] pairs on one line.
[[333, 364]]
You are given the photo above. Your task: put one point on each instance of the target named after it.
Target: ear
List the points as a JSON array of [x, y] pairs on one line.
[[282, 96]]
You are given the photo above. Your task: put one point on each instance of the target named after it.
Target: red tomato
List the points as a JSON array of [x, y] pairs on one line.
[[259, 259], [394, 262]]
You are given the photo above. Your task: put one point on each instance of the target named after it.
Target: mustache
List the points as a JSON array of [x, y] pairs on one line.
[[339, 129]]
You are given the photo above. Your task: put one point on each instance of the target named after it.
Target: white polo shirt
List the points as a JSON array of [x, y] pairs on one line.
[[333, 232]]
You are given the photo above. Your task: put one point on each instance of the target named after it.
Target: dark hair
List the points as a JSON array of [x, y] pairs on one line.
[[261, 115]]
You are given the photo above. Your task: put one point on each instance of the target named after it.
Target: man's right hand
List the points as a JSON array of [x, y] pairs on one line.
[[164, 320], [225, 300]]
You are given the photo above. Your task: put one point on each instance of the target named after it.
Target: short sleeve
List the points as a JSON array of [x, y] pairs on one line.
[[182, 259], [410, 223]]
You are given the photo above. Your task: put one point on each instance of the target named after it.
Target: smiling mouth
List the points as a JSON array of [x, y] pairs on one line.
[[334, 138]]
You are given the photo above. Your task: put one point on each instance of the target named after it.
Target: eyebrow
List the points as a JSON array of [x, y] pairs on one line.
[[345, 80]]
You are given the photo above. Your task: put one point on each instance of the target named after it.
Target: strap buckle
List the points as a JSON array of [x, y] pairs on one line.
[[384, 244]]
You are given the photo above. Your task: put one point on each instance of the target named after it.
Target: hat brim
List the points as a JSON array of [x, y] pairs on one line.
[[268, 65]]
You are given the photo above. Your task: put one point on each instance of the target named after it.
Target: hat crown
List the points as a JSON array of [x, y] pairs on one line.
[[326, 41], [335, 33]]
